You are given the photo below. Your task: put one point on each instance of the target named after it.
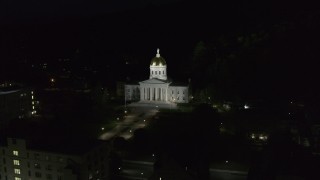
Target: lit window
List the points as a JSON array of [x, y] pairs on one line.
[[32, 107], [32, 97], [32, 102], [17, 171], [15, 153], [17, 178], [16, 162], [31, 92]]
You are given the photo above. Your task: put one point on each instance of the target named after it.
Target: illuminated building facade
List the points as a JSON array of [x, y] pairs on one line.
[[157, 89], [17, 162]]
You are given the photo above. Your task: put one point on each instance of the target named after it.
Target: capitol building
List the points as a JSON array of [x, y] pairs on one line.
[[157, 89]]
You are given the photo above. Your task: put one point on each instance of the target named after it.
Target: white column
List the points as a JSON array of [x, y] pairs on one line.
[[166, 94], [144, 93], [151, 93], [158, 94], [161, 94]]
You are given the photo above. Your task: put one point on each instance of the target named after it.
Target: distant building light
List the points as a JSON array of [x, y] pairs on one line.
[[17, 171], [246, 106], [253, 136], [102, 128], [31, 92], [32, 97], [33, 107], [15, 153], [52, 80], [16, 162]]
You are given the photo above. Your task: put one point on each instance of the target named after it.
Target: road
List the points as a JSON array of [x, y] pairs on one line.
[[143, 170], [137, 118]]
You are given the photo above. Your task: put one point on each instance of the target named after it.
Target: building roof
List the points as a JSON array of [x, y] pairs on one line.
[[155, 81], [158, 60]]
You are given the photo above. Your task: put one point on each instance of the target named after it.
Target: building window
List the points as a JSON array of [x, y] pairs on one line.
[[151, 72], [16, 162], [162, 72], [159, 72], [4, 161], [37, 165], [177, 98], [37, 174], [15, 153], [49, 176], [178, 92], [17, 178], [29, 173], [184, 98], [17, 171], [156, 72], [172, 91], [37, 156], [48, 167]]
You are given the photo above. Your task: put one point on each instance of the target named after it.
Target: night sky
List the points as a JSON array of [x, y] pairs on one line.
[[107, 32]]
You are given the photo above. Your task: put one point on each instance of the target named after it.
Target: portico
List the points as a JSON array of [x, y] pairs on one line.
[[154, 90]]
